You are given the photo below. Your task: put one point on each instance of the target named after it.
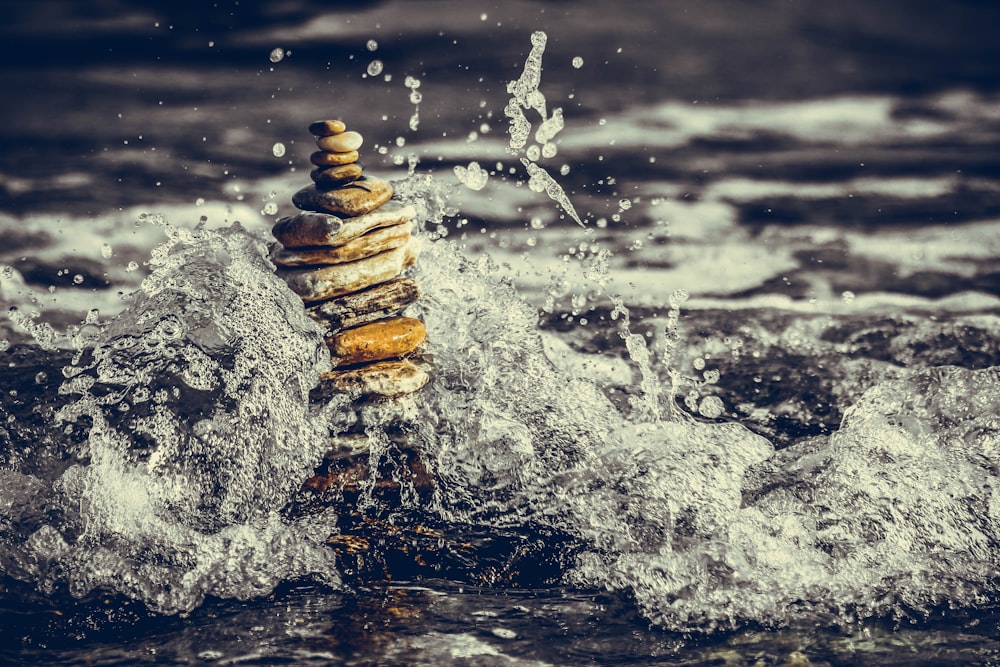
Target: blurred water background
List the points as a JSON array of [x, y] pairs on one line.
[[821, 180]]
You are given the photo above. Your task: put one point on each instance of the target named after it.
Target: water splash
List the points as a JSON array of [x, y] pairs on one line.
[[194, 402], [525, 94]]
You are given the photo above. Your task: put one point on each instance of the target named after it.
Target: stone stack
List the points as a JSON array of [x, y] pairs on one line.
[[343, 254]]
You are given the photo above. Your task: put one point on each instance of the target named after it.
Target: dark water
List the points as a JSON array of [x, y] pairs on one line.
[[794, 461]]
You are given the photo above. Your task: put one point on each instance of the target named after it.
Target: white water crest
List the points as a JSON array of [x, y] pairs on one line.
[[194, 402]]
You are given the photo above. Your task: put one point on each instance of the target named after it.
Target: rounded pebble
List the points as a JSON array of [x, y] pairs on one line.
[[385, 339], [333, 176], [328, 159], [326, 128], [341, 143]]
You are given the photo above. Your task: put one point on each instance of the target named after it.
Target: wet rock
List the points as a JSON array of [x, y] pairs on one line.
[[326, 128], [341, 142], [385, 339], [319, 284], [334, 176], [322, 229], [327, 159], [366, 245], [358, 198], [389, 379], [367, 305]]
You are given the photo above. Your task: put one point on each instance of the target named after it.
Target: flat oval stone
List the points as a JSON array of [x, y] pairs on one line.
[[341, 143], [325, 282], [326, 128], [357, 198], [322, 229], [390, 379], [307, 229], [366, 245], [328, 159], [385, 339], [334, 176], [374, 303]]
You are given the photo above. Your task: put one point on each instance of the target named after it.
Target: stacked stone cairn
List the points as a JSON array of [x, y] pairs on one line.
[[344, 254]]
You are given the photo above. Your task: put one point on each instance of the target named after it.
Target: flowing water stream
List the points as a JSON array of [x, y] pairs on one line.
[[736, 403]]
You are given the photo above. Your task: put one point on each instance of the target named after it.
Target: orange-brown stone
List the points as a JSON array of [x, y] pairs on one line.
[[328, 159], [385, 339], [326, 128], [329, 177], [357, 198]]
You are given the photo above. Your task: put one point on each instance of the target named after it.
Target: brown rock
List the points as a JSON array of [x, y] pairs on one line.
[[366, 245], [341, 143], [390, 379], [326, 282], [362, 196], [375, 303], [307, 229], [385, 339], [322, 229], [328, 177], [328, 159], [326, 128]]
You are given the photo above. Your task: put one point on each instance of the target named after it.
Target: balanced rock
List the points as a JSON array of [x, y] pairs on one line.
[[341, 142], [357, 198], [385, 339], [390, 379], [327, 159], [329, 177], [374, 303], [325, 128], [366, 245], [319, 229], [326, 282]]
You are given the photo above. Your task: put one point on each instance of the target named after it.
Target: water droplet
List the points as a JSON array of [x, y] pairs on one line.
[[473, 177], [563, 170], [277, 55], [41, 377], [278, 149], [847, 296], [712, 376], [415, 97], [578, 62], [534, 152], [549, 150], [624, 204], [372, 45], [537, 223], [132, 266], [200, 201], [106, 251], [270, 208], [699, 364], [78, 279], [711, 407], [375, 68], [483, 17]]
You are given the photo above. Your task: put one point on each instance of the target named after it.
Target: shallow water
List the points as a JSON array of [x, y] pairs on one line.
[[744, 413]]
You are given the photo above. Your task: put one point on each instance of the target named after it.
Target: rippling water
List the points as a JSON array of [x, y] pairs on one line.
[[745, 412]]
